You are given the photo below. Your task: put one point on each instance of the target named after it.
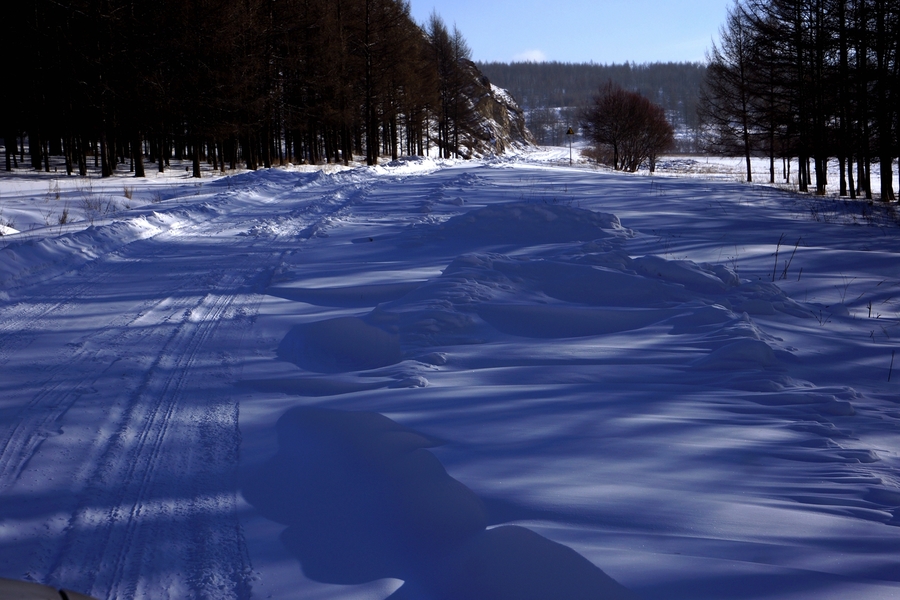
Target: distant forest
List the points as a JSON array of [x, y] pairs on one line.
[[120, 82], [570, 86]]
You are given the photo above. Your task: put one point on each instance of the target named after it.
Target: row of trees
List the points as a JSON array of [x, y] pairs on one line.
[[255, 81], [549, 126], [811, 79], [626, 129]]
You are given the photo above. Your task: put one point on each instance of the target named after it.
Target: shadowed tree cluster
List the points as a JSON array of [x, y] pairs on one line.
[[812, 80], [626, 128], [251, 82]]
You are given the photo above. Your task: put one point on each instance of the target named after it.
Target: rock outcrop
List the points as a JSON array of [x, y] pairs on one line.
[[500, 122]]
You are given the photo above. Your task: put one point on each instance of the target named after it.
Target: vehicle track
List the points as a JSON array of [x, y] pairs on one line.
[[19, 322], [58, 392], [153, 506], [122, 491]]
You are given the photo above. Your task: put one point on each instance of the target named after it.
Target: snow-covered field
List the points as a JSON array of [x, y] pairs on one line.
[[432, 380]]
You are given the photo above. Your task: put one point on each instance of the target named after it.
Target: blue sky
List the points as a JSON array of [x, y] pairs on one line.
[[602, 31]]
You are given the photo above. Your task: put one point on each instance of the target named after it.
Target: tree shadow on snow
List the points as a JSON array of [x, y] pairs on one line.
[[363, 499]]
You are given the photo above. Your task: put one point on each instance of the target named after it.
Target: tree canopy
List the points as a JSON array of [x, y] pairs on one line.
[[257, 81]]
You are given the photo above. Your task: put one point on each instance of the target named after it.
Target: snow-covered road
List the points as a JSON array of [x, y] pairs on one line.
[[120, 436], [618, 363]]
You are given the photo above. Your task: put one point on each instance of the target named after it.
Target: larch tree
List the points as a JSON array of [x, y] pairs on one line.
[[727, 97], [254, 82], [822, 84]]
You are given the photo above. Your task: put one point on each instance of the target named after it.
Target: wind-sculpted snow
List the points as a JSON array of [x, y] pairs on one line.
[[594, 291], [549, 298], [30, 259], [339, 345], [434, 379], [531, 224], [364, 500]]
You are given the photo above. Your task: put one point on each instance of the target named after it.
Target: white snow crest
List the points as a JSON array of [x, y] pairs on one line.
[[41, 258]]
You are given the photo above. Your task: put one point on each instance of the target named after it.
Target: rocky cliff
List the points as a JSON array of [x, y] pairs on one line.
[[500, 123]]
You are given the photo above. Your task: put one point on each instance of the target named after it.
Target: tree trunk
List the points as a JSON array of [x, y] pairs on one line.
[[10, 144], [851, 186], [137, 155], [867, 177], [843, 179], [35, 147], [161, 158], [394, 141], [68, 152], [106, 169], [887, 178], [81, 154], [195, 159], [821, 164]]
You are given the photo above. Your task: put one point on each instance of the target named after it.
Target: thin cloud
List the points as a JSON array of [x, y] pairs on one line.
[[530, 56]]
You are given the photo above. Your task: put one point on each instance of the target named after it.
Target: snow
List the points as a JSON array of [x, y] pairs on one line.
[[506, 378], [502, 95]]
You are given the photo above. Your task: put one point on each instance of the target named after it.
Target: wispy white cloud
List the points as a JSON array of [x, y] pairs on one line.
[[530, 56]]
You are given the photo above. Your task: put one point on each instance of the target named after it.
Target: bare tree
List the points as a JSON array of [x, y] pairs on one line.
[[726, 99], [626, 128]]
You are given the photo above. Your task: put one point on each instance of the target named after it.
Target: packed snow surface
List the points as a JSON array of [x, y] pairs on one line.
[[501, 379]]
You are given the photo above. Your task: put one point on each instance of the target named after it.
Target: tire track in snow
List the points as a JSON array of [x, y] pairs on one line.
[[127, 513], [20, 324], [135, 572], [39, 418], [64, 289], [58, 391], [154, 513], [19, 321]]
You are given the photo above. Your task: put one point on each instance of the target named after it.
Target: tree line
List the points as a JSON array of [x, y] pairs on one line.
[[812, 80], [251, 82], [674, 86]]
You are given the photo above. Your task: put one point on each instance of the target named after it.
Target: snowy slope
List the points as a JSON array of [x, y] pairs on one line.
[[441, 380]]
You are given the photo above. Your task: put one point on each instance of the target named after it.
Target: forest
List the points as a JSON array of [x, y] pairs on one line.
[[809, 79], [555, 92], [121, 82]]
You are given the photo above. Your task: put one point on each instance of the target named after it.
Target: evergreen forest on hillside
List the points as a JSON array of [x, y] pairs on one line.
[[555, 92]]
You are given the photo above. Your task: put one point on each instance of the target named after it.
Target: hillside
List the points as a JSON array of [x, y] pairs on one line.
[[568, 86]]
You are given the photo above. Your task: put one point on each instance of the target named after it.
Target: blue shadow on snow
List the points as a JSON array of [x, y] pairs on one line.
[[363, 499]]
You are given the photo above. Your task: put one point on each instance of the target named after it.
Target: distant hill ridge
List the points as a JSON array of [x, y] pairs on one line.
[[673, 85]]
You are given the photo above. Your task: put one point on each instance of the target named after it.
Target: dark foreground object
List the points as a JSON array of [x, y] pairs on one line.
[[22, 590]]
